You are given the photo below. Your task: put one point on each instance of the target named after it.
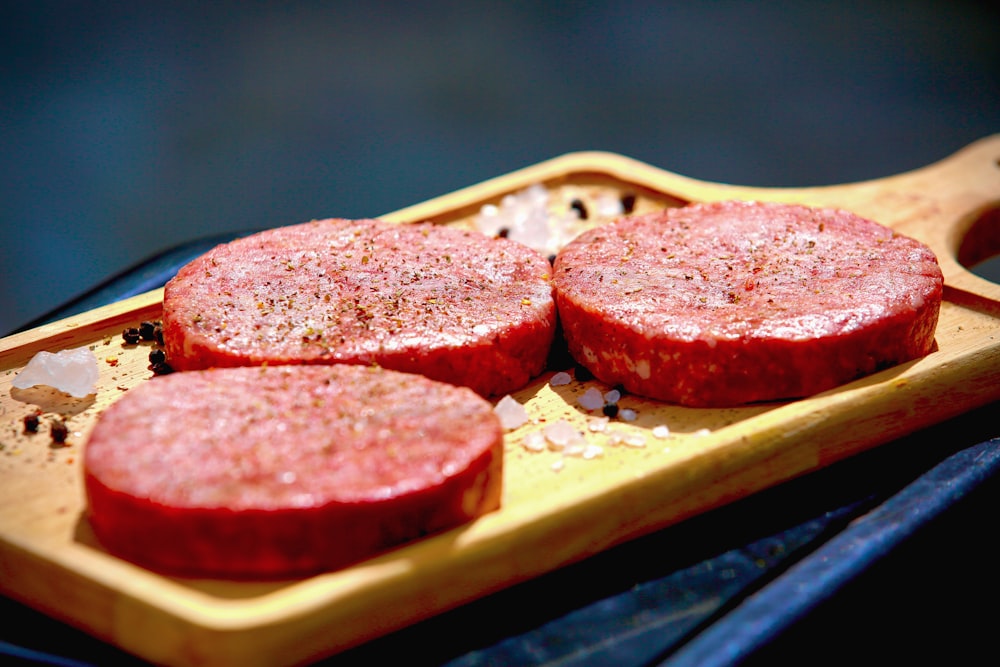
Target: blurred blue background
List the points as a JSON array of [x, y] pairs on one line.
[[128, 128]]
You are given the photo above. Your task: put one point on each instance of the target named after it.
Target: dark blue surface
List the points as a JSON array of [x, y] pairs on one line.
[[881, 554], [946, 493]]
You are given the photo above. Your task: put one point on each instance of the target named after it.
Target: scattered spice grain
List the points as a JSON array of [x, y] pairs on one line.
[[31, 422], [59, 431], [147, 330]]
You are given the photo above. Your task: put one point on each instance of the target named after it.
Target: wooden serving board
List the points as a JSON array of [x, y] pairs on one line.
[[557, 508]]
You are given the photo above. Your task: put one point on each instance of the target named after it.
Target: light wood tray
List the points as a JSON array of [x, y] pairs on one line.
[[557, 509]]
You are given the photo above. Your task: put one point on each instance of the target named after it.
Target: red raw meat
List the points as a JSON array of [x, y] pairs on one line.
[[727, 303], [451, 304], [279, 471]]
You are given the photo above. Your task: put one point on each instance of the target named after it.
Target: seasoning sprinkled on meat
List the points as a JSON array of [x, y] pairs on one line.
[[454, 305], [736, 302], [279, 471]]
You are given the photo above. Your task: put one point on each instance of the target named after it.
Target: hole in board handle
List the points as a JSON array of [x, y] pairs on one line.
[[979, 251]]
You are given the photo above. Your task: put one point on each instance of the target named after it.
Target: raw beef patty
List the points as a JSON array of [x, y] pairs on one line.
[[451, 304], [729, 303], [278, 471]]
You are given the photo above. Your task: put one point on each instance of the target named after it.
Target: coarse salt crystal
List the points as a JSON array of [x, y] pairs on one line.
[[534, 442], [635, 440], [613, 396], [661, 431], [608, 206], [523, 216], [561, 378], [561, 434], [592, 399], [584, 451], [615, 436], [511, 413], [598, 424], [72, 371], [627, 414]]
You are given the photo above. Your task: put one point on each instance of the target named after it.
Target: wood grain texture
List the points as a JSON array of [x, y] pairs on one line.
[[557, 509]]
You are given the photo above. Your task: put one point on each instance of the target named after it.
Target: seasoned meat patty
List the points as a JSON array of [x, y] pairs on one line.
[[734, 302], [454, 305], [286, 470]]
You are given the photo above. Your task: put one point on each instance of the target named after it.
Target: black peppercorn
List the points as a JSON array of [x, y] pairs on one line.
[[31, 423], [147, 330], [59, 431], [131, 335], [610, 410], [578, 206], [162, 368], [628, 203]]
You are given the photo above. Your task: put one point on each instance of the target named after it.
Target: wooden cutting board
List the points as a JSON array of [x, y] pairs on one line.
[[557, 508]]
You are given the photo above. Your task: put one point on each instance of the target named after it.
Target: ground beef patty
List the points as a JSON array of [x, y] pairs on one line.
[[728, 303], [451, 304], [277, 471]]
